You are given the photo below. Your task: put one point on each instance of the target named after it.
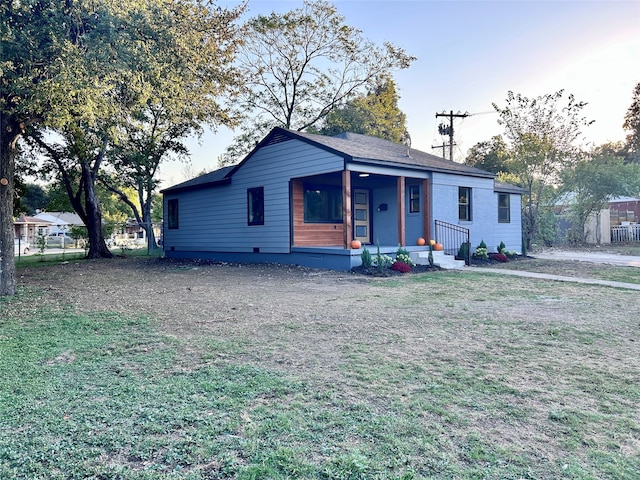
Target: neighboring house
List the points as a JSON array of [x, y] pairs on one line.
[[299, 198], [27, 229], [618, 223], [61, 222]]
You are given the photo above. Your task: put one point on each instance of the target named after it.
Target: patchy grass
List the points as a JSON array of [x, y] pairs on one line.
[[442, 375]]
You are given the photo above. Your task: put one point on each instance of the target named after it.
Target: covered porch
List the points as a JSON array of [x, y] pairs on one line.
[[331, 210]]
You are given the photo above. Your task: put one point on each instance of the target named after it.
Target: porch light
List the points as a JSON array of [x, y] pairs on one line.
[[362, 175]]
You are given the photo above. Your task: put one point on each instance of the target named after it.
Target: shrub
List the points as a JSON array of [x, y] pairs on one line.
[[400, 266], [499, 257], [403, 256], [365, 256], [382, 261], [481, 251], [502, 247], [463, 251]]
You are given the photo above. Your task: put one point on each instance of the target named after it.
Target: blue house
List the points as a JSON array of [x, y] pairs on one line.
[[300, 198]]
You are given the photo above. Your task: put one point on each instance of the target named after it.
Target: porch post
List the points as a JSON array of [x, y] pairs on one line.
[[401, 210], [426, 218], [346, 208]]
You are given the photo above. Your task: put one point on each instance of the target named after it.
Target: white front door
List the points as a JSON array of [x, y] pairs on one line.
[[361, 216]]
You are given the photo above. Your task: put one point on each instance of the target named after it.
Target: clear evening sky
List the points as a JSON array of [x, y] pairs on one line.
[[471, 53]]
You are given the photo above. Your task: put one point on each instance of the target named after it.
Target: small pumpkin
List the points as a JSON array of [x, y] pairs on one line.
[[355, 244], [421, 241], [438, 246]]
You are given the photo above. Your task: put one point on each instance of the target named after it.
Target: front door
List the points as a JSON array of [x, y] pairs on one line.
[[361, 216]]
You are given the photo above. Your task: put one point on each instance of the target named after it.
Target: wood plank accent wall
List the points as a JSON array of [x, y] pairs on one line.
[[312, 234], [426, 220], [346, 208], [401, 212]]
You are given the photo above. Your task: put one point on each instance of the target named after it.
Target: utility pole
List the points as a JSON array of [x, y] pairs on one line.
[[448, 130], [444, 147]]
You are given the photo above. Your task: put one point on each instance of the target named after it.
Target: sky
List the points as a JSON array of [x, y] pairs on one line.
[[470, 54]]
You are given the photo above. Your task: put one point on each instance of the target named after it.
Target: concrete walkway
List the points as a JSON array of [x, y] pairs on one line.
[[558, 278], [593, 257]]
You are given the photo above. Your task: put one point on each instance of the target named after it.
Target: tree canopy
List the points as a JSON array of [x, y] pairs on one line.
[[82, 69], [542, 135], [302, 64], [491, 155], [375, 113]]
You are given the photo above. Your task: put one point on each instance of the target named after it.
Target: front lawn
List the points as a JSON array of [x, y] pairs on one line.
[[145, 369]]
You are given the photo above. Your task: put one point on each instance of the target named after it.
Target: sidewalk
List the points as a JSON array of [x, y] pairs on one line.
[[593, 257], [558, 278]]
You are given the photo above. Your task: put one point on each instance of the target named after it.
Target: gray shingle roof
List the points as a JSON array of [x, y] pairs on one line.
[[354, 147], [211, 178], [376, 150]]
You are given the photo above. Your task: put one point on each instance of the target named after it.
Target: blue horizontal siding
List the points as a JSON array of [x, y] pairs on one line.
[[215, 219]]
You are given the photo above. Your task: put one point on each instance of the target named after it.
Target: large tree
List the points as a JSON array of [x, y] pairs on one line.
[[542, 135], [174, 85], [302, 64], [375, 113], [35, 36]]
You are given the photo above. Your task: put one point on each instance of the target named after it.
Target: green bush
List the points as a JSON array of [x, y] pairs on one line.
[[365, 256], [501, 247]]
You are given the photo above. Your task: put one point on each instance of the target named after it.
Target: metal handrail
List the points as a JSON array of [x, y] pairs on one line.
[[453, 237]]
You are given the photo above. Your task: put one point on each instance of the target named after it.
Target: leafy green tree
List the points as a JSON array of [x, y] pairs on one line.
[[376, 114], [301, 65], [33, 197], [632, 124], [541, 134], [491, 155], [37, 78], [175, 83], [592, 182]]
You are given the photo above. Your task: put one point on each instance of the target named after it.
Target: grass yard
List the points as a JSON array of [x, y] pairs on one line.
[[149, 369]]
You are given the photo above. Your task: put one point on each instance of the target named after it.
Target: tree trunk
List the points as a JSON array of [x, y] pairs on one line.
[[97, 246], [148, 225], [9, 134]]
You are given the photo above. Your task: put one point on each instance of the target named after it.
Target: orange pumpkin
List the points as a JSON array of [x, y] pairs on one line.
[[421, 241], [438, 247], [355, 244]]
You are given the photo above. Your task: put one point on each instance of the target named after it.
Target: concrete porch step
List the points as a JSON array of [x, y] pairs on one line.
[[440, 259]]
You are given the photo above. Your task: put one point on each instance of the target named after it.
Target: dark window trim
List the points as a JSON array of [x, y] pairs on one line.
[[506, 208], [251, 192], [335, 189], [416, 198], [173, 214], [467, 206]]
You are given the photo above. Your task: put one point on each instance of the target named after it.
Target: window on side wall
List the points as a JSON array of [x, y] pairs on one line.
[[414, 199], [255, 206], [464, 204], [504, 208], [172, 214], [322, 204]]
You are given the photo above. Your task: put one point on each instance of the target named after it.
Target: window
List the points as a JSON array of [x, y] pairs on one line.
[[414, 199], [464, 204], [172, 214], [504, 208], [322, 204], [255, 206]]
